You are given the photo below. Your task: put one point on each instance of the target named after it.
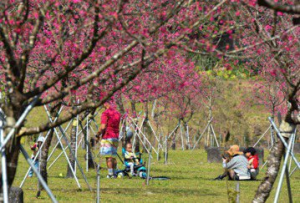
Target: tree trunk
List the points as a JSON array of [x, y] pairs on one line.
[[73, 146], [89, 156], [274, 161], [45, 150], [123, 130], [43, 160], [134, 115], [12, 148]]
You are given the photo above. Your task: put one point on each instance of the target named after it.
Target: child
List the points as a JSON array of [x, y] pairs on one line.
[[35, 148], [130, 158], [253, 162]]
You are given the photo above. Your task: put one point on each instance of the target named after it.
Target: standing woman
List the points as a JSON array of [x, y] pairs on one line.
[[109, 129]]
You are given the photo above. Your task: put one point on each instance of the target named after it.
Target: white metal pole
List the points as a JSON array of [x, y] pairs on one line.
[[98, 183], [166, 150], [76, 138], [213, 131], [34, 159], [149, 166], [86, 144], [3, 164], [19, 122], [293, 144], [44, 184], [283, 169], [188, 137], [284, 142], [56, 133], [201, 135], [182, 144], [237, 189], [262, 136]]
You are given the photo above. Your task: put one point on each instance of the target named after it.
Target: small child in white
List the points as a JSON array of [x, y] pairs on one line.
[[130, 158]]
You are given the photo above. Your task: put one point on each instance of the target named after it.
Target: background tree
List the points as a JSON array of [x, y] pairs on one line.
[[100, 43], [277, 45]]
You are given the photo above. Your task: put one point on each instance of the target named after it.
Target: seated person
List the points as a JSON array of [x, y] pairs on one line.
[[130, 158], [236, 167], [253, 162]]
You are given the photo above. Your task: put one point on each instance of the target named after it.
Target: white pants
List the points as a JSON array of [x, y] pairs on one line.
[[131, 165]]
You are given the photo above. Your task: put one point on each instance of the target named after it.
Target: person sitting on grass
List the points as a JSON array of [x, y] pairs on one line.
[[253, 162], [130, 158], [235, 166]]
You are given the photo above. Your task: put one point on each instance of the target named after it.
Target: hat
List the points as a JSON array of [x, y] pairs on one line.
[[41, 139], [129, 132], [233, 150], [251, 150]]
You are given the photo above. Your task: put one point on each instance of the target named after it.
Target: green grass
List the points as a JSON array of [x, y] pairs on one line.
[[191, 181]]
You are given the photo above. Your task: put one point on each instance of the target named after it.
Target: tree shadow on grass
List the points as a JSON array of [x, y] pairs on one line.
[[164, 191]]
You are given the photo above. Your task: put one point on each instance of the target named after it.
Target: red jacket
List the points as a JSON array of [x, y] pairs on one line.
[[255, 161], [111, 117]]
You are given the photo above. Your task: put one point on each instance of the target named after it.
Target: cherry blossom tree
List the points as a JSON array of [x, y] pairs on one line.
[[49, 48], [273, 38]]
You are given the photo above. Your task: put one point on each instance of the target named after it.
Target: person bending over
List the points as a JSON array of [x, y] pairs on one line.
[[236, 166]]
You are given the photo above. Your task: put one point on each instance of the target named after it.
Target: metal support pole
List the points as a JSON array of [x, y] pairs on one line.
[[188, 137], [293, 171], [76, 161], [201, 135], [213, 131], [56, 133], [69, 163], [81, 131], [264, 164], [237, 189], [181, 136], [262, 136], [283, 169], [19, 122], [55, 160], [284, 142], [149, 166], [76, 138], [55, 147], [288, 183], [98, 183], [40, 178], [3, 163], [86, 145], [145, 138], [154, 133], [38, 153], [166, 150], [293, 144]]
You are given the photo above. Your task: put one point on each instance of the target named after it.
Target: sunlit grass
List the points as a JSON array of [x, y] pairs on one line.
[[191, 181]]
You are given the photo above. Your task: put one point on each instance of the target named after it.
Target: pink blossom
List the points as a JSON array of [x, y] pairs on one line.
[[279, 13], [268, 27]]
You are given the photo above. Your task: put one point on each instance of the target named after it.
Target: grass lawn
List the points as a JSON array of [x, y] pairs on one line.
[[191, 181]]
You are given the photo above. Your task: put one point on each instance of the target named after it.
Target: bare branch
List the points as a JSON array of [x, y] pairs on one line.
[[290, 9]]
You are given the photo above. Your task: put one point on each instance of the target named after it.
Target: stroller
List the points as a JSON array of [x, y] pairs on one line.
[[139, 169]]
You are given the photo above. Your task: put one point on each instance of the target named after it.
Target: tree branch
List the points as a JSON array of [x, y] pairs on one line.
[[290, 9]]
